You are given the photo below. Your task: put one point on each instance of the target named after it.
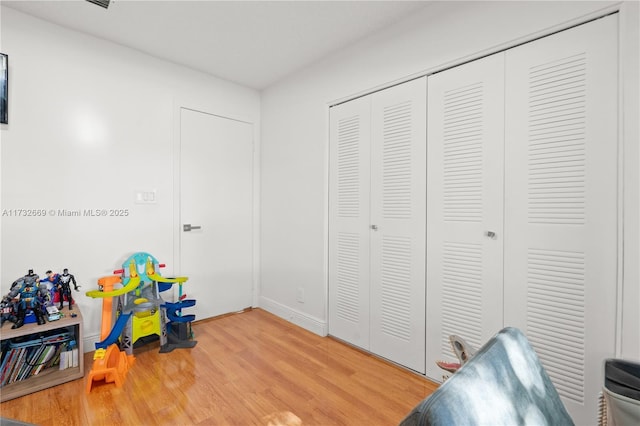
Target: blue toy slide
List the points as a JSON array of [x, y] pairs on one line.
[[172, 309], [115, 333]]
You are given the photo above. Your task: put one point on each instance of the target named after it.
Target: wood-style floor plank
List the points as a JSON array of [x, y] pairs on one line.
[[251, 368]]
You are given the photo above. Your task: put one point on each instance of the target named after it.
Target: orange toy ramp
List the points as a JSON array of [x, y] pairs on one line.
[[110, 365]]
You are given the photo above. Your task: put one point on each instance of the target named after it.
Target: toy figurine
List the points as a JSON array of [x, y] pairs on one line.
[[44, 296], [28, 290], [51, 281], [7, 310], [64, 287], [30, 278], [9, 303]]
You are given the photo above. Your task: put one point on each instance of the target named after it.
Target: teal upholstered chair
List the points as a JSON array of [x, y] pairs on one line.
[[503, 384]]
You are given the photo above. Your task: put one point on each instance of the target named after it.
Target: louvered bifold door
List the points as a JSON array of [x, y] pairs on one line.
[[561, 204], [464, 206], [349, 207], [398, 222]]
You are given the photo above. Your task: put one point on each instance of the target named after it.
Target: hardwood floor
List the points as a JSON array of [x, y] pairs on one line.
[[247, 369]]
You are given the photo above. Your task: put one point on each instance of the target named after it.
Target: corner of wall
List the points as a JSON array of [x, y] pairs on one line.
[[308, 322]]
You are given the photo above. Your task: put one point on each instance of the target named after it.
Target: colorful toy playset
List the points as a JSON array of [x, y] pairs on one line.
[[132, 309]]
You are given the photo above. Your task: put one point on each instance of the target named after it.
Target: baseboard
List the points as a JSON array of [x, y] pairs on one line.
[[89, 342], [308, 322]]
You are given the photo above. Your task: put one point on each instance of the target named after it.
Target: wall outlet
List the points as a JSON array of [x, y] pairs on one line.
[[300, 295]]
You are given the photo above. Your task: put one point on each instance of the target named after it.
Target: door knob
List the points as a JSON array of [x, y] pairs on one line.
[[188, 227], [491, 235], [374, 227]]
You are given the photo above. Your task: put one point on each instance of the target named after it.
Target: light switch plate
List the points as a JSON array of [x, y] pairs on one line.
[[145, 196]]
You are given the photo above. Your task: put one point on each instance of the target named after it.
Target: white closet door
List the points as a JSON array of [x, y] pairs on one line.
[[349, 209], [561, 205], [464, 203], [398, 209]]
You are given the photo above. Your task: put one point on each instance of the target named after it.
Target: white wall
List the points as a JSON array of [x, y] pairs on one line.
[[89, 123], [295, 136]]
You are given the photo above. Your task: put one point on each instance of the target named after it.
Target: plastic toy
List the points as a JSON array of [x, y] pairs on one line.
[[463, 351], [27, 295], [64, 288], [51, 282], [8, 310], [132, 310], [110, 365]]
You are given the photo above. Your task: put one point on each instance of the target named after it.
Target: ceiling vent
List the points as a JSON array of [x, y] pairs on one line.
[[101, 3]]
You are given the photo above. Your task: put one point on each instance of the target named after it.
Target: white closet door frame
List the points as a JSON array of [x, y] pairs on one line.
[[349, 211], [561, 202], [464, 203], [398, 211]]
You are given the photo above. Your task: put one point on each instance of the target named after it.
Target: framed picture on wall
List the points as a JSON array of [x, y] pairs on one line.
[[4, 89]]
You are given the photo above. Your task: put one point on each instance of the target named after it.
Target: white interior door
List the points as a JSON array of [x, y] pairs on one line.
[[349, 210], [216, 197], [561, 202], [398, 211], [464, 203]]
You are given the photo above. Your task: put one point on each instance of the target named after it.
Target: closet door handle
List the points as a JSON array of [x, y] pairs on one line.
[[374, 227], [491, 235]]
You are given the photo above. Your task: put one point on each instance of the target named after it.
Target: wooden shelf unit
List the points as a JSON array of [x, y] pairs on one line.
[[52, 376]]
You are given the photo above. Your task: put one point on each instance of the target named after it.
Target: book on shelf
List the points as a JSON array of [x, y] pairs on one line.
[[27, 365], [39, 361], [75, 362], [49, 352], [70, 358], [63, 361], [25, 356], [17, 365], [7, 367]]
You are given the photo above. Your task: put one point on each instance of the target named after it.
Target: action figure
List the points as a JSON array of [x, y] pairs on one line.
[[8, 310], [44, 296], [30, 278], [28, 290], [52, 281], [64, 287], [9, 304]]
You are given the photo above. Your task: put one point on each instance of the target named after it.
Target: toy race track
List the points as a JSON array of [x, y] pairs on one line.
[[129, 287], [116, 331], [174, 309]]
